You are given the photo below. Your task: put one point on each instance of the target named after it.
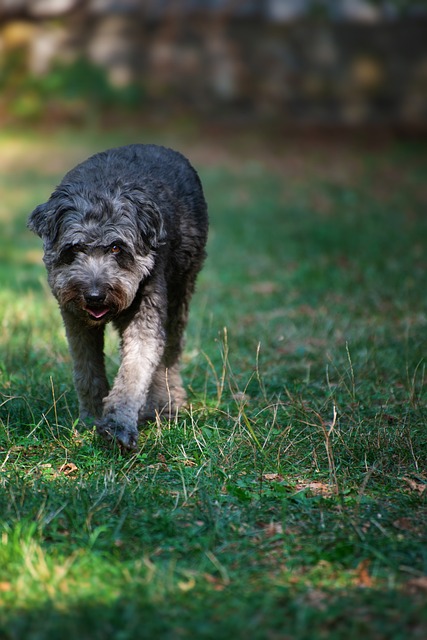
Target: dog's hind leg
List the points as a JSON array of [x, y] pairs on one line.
[[86, 345], [167, 394]]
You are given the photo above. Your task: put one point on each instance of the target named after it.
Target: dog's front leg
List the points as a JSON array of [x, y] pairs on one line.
[[143, 342], [86, 345]]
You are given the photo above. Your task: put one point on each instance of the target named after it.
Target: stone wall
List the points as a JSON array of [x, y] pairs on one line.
[[305, 71]]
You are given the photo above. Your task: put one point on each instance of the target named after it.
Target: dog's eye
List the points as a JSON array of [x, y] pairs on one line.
[[115, 249], [70, 252]]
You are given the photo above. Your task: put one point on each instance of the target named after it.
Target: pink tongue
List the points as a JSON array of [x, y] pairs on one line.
[[97, 313]]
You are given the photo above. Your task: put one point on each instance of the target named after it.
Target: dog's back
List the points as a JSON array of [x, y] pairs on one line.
[[151, 167]]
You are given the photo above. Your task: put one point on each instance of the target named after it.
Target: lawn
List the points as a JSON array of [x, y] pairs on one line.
[[289, 501]]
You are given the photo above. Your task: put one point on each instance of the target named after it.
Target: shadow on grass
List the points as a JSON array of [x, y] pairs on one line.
[[232, 612]]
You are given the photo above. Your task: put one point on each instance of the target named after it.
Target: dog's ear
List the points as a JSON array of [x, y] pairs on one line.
[[45, 220], [149, 218], [42, 221]]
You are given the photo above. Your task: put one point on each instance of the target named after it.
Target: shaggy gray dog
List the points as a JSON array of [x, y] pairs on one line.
[[124, 237]]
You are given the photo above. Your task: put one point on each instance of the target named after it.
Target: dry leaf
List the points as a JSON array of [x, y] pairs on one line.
[[363, 578], [162, 459], [272, 529], [217, 583], [187, 586], [67, 469], [189, 463], [405, 524], [273, 477], [420, 487], [317, 488], [418, 584]]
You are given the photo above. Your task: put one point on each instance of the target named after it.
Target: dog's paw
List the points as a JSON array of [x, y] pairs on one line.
[[125, 436]]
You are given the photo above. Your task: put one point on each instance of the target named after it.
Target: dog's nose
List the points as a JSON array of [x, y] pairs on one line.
[[94, 297]]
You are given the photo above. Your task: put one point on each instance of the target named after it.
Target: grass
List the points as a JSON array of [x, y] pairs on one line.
[[290, 500]]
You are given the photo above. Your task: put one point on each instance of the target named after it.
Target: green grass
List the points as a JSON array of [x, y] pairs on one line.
[[290, 500]]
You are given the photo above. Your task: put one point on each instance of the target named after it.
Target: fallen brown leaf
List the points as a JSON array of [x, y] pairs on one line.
[[162, 459], [273, 477], [406, 524], [189, 463], [317, 488], [67, 469], [418, 584], [419, 487], [217, 583], [363, 577], [272, 529]]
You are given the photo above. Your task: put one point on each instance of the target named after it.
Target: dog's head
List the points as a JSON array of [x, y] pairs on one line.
[[98, 248]]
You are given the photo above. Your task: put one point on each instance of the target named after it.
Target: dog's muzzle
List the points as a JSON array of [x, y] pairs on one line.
[[95, 305]]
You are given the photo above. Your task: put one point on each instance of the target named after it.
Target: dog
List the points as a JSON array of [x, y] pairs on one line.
[[124, 238]]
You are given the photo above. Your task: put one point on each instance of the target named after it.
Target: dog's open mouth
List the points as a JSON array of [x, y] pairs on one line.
[[97, 312]]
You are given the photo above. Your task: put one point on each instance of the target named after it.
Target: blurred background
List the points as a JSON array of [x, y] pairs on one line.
[[305, 63]]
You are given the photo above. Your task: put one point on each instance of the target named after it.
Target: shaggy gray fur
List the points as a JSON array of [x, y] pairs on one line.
[[124, 237]]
